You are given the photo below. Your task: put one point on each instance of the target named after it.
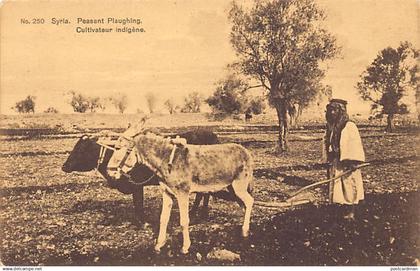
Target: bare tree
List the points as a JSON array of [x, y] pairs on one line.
[[120, 102], [151, 101], [170, 105]]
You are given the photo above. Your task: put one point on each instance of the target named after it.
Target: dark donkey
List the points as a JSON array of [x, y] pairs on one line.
[[85, 157]]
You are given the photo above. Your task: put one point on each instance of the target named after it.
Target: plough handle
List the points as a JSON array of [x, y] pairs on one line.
[[327, 181]]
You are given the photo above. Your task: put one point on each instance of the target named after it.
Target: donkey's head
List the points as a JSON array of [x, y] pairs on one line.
[[146, 148], [124, 158]]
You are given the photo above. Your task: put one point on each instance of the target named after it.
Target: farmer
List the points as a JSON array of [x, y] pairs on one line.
[[344, 150]]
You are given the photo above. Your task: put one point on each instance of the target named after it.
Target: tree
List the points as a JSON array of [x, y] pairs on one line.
[[151, 101], [392, 74], [170, 105], [79, 102], [256, 105], [229, 96], [95, 103], [120, 102], [192, 103], [326, 92], [25, 106], [281, 44], [314, 96]]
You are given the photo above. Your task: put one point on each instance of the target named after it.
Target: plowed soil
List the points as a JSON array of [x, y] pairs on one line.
[[49, 217]]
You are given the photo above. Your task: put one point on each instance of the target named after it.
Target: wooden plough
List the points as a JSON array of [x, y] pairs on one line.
[[289, 202]]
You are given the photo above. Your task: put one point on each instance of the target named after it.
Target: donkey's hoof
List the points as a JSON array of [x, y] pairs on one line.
[[157, 249], [184, 250], [245, 234]]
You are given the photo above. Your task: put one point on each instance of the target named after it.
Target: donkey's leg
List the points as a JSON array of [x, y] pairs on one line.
[[206, 205], [240, 186], [184, 221], [164, 219]]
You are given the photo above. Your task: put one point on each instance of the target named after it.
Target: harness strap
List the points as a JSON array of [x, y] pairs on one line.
[[106, 146], [127, 153], [139, 158], [121, 164], [171, 158], [101, 156]]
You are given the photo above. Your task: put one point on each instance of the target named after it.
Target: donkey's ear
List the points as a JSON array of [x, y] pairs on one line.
[[130, 132]]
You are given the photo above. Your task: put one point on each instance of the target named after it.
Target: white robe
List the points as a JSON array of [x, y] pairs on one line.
[[349, 188]]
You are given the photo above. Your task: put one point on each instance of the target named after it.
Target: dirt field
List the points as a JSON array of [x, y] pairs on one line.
[[49, 217]]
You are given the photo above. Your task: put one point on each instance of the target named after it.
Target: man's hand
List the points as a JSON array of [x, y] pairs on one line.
[[350, 164]]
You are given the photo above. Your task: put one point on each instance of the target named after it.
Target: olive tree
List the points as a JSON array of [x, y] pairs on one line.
[[391, 75], [281, 44]]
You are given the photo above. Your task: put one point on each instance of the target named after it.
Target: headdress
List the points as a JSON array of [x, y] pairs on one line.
[[335, 124]]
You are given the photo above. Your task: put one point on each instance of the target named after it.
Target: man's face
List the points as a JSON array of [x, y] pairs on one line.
[[332, 113]]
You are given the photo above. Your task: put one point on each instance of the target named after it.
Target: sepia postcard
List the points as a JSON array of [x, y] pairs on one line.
[[209, 133]]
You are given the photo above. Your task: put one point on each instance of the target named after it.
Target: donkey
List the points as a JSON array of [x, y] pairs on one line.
[[85, 156], [186, 169]]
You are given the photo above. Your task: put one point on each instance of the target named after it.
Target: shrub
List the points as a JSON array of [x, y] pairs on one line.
[[25, 106]]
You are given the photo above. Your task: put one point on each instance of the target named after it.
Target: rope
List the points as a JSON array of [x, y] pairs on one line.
[[146, 181]]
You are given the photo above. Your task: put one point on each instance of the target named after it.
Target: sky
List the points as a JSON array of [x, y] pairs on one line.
[[185, 48]]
